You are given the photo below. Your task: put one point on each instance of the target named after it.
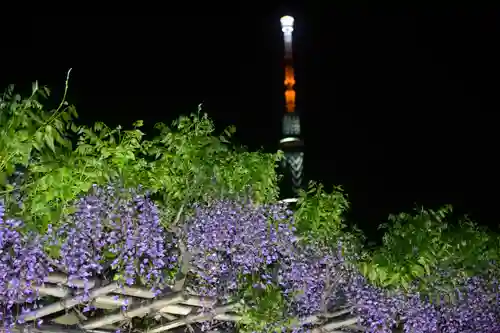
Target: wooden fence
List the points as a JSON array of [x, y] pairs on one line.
[[171, 311]]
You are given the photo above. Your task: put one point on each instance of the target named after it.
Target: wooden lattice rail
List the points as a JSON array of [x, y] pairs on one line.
[[169, 311]]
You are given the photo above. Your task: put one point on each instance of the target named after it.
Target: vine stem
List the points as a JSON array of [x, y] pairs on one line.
[[185, 256], [51, 119]]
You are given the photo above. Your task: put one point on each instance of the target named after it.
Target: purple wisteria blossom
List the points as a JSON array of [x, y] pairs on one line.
[[118, 231], [228, 239], [23, 266], [121, 226]]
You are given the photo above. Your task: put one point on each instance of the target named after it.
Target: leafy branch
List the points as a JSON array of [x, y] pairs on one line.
[[422, 252], [182, 164], [320, 220]]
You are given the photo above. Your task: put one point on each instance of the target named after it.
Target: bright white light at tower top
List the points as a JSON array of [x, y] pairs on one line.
[[287, 24]]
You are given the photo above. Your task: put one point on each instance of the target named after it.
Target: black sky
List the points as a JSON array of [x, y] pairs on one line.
[[398, 106]]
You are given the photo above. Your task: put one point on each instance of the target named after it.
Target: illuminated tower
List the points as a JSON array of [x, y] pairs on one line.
[[291, 143]]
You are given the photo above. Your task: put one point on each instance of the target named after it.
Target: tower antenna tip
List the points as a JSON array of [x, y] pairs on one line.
[[287, 24]]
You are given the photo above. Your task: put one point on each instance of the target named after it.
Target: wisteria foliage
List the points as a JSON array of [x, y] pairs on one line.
[[117, 226], [229, 238], [237, 249], [114, 233], [23, 265]]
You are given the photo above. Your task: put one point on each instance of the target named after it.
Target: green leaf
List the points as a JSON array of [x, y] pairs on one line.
[[49, 138], [109, 255], [417, 270], [138, 123], [53, 251], [393, 280], [381, 274], [373, 275]]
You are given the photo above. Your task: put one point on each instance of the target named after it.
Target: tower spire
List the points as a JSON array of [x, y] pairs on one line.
[[287, 29], [291, 142]]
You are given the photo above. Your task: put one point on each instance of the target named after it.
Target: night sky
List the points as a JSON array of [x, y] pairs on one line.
[[400, 107]]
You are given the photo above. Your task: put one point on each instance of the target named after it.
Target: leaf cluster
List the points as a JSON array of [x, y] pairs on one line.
[[319, 217], [28, 132], [263, 307], [31, 138], [190, 164], [423, 252], [61, 160]]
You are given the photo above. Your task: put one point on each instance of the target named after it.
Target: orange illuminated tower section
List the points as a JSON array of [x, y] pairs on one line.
[[291, 142]]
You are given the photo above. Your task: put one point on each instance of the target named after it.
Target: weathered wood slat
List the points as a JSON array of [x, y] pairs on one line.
[[217, 313], [67, 303], [153, 306], [334, 325]]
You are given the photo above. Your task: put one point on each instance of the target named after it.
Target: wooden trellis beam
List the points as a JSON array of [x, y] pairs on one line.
[[334, 325], [67, 303], [317, 318], [141, 302], [61, 279], [53, 329], [218, 313], [140, 310]]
